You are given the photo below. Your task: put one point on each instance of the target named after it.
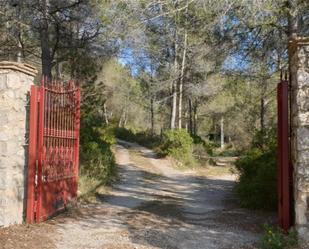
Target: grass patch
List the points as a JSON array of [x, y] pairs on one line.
[[215, 171], [274, 238], [89, 187]]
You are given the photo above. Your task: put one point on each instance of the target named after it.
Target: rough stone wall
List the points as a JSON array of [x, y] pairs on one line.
[[15, 81], [299, 54]]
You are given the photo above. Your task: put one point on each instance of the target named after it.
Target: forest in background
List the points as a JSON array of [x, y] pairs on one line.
[[167, 73]]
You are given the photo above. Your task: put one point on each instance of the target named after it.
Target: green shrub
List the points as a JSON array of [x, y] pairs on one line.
[[124, 134], [106, 134], [265, 139], [145, 138], [210, 147], [203, 147], [197, 139], [257, 185], [97, 160], [175, 143], [96, 157], [275, 239], [179, 145], [229, 153]]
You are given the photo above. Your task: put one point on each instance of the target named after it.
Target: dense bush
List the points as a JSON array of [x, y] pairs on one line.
[[229, 152], [148, 139], [96, 157], [175, 143], [145, 138], [125, 134], [203, 147], [257, 185], [197, 139], [179, 145]]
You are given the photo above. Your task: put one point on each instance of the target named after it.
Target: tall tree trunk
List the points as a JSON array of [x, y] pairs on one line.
[[262, 118], [190, 117], [58, 69], [105, 113], [181, 82], [19, 53], [263, 104], [125, 119], [152, 114], [46, 57], [195, 119], [293, 19], [44, 37], [120, 120], [292, 32], [182, 74], [125, 113], [186, 121], [174, 101], [175, 80], [19, 38], [222, 132]]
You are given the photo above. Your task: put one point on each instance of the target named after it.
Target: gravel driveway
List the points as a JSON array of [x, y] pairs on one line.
[[155, 206]]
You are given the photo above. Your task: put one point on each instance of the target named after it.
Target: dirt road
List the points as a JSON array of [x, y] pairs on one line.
[[153, 206]]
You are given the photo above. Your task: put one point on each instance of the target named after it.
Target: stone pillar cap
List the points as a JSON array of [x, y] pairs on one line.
[[21, 67]]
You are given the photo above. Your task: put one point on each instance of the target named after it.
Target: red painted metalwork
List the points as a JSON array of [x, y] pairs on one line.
[[284, 169], [53, 148], [32, 153]]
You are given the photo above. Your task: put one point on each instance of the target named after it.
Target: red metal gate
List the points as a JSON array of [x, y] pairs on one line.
[[53, 148], [284, 165]]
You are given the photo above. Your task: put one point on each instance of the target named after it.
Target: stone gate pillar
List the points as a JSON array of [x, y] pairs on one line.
[[15, 81], [299, 69]]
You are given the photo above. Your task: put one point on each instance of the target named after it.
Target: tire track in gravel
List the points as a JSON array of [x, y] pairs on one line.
[[207, 211]]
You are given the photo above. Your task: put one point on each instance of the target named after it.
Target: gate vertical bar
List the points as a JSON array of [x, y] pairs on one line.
[[33, 132], [77, 127], [284, 194], [40, 149]]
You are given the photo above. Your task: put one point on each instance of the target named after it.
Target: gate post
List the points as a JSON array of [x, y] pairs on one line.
[[284, 190], [15, 82], [32, 160], [41, 150], [299, 73]]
